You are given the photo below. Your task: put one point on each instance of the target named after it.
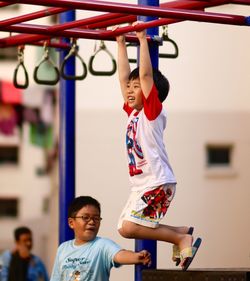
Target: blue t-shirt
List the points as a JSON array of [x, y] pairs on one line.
[[89, 262]]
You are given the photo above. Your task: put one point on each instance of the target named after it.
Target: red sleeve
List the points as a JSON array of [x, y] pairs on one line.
[[152, 105], [127, 108]]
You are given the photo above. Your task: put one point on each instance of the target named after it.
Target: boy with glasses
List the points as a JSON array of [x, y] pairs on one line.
[[88, 256]]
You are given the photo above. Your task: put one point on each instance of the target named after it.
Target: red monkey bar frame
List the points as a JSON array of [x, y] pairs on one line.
[[169, 12]]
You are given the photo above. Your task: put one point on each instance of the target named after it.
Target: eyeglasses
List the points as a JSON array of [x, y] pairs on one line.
[[89, 218]]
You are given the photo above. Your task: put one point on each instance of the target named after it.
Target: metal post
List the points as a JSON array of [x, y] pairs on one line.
[[150, 245], [154, 48], [67, 141]]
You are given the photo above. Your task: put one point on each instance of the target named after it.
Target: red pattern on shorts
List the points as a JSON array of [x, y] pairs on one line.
[[157, 201]]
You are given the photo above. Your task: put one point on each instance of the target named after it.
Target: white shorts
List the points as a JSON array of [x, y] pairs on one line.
[[149, 206]]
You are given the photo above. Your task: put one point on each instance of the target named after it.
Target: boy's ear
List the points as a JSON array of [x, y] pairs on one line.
[[70, 222]]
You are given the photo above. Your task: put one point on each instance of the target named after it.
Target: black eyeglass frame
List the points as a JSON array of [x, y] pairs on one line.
[[87, 219]]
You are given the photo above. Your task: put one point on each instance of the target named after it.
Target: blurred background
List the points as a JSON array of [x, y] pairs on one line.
[[207, 139]]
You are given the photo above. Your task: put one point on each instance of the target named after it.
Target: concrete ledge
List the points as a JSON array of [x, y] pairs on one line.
[[238, 274]]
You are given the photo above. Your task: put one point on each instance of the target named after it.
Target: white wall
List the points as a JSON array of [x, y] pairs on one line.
[[211, 72]]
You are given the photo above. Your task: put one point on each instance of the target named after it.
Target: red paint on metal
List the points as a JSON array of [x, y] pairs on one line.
[[241, 2], [104, 6], [32, 16], [177, 10], [3, 4]]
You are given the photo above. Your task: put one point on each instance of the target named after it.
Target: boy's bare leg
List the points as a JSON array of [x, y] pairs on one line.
[[162, 233]]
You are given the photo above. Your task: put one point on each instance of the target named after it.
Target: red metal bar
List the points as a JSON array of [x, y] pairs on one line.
[[45, 30], [83, 22], [197, 5], [80, 33], [17, 40], [30, 38], [193, 4], [54, 30], [241, 2], [89, 34], [32, 16], [145, 25], [109, 19], [59, 45], [21, 39], [52, 11], [141, 10], [3, 4], [112, 22]]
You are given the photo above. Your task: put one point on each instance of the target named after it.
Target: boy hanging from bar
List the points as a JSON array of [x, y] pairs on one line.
[[151, 176]]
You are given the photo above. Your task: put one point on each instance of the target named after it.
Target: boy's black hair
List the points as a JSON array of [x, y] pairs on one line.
[[161, 82], [21, 230], [79, 202]]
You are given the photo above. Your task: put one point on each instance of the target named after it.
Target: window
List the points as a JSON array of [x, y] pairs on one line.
[[219, 161], [9, 155], [219, 155], [8, 207]]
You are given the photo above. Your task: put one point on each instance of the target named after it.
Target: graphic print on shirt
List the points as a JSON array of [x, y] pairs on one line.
[[77, 275], [76, 269], [133, 148]]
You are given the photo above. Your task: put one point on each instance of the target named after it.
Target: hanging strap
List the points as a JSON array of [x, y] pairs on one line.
[[102, 73], [46, 59], [73, 53], [165, 38], [20, 65]]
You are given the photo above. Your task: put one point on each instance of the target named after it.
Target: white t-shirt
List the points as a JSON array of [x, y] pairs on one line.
[[88, 262], [147, 157]]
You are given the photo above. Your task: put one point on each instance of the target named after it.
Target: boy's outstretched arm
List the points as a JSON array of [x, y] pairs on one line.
[[130, 257], [123, 64], [145, 66]]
